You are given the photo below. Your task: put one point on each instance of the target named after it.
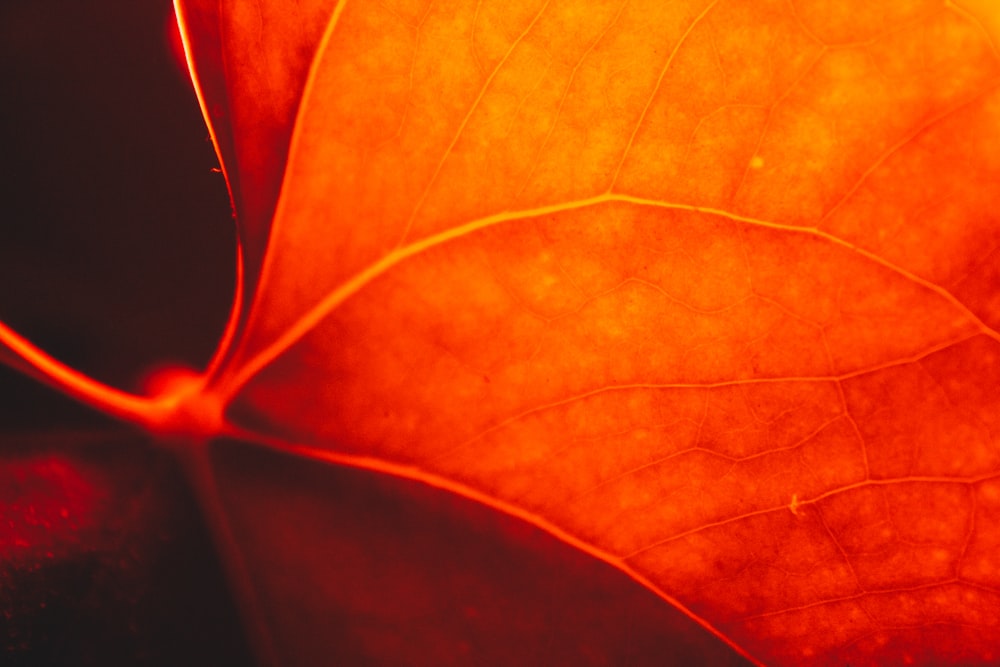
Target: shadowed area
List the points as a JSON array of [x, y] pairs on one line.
[[357, 568], [104, 557]]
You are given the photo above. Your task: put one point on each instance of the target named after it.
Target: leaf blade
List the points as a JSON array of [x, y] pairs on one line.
[[727, 254]]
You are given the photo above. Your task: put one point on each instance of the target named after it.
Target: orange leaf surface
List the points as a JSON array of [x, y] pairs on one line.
[[709, 290]]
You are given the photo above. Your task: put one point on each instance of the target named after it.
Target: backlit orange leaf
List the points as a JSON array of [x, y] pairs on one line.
[[708, 290]]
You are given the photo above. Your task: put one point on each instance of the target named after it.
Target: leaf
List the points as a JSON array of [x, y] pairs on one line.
[[706, 290], [706, 287]]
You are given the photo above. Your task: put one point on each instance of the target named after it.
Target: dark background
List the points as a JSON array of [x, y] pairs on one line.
[[117, 240], [116, 252]]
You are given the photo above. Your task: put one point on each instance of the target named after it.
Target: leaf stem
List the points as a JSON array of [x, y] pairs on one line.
[[236, 313], [142, 411]]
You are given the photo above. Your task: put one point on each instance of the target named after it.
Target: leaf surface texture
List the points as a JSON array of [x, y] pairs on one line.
[[706, 288]]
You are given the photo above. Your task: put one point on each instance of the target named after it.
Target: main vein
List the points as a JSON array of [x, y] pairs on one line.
[[342, 292]]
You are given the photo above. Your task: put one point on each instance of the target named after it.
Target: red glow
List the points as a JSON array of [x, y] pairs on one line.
[[44, 502]]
